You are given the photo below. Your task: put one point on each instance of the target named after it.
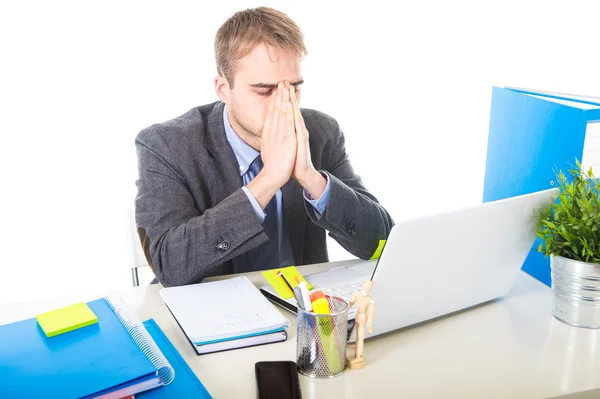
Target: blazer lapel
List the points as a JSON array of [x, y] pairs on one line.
[[225, 170], [224, 164], [294, 217]]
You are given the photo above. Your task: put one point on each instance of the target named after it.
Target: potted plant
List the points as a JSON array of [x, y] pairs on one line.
[[570, 234]]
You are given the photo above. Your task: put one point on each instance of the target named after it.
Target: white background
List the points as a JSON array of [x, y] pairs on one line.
[[409, 83]]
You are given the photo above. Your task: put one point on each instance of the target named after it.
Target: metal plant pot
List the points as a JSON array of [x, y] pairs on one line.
[[576, 287]]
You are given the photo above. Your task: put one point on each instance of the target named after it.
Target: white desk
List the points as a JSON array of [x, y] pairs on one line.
[[510, 348]]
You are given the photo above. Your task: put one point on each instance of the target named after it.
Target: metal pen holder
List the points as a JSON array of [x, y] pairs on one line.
[[321, 340]]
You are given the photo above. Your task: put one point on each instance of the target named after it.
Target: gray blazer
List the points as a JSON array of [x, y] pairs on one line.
[[194, 220]]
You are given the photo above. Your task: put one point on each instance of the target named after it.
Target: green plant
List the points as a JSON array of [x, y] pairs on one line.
[[571, 227]]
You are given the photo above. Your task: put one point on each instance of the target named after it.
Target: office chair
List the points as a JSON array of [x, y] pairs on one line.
[[138, 259]]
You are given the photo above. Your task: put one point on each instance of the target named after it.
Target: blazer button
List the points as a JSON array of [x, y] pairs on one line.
[[224, 246], [351, 230]]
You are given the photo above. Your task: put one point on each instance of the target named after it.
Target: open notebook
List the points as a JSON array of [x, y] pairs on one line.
[[113, 358], [223, 315]]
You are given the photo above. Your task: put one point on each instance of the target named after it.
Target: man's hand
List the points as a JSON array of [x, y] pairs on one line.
[[278, 147], [304, 171]]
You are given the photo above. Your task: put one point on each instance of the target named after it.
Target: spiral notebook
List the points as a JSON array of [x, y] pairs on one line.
[[223, 315], [113, 358], [186, 384]]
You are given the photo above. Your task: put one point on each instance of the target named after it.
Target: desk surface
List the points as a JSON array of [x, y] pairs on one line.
[[510, 347]]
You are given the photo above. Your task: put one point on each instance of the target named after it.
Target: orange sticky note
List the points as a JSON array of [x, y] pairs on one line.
[[66, 319], [277, 283]]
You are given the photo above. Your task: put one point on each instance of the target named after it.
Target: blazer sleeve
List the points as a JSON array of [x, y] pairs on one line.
[[353, 216], [182, 242]]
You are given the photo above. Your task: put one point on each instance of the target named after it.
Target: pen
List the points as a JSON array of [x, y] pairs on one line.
[[301, 285], [280, 274], [299, 297], [295, 291]]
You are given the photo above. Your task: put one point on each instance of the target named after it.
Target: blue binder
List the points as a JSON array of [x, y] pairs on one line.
[[87, 362], [185, 384], [532, 134]]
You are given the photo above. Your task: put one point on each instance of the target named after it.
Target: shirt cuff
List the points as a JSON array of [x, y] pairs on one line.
[[320, 203], [260, 214]]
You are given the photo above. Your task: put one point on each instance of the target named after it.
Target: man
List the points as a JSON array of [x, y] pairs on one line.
[[252, 181]]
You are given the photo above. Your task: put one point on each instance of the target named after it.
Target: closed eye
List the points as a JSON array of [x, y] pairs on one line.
[[268, 92]]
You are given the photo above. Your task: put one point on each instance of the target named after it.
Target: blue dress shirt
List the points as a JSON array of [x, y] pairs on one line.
[[245, 155]]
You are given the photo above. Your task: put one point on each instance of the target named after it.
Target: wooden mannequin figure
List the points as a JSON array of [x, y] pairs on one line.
[[365, 312]]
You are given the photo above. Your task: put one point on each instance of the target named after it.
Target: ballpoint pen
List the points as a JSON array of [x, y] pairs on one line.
[[280, 274], [295, 291]]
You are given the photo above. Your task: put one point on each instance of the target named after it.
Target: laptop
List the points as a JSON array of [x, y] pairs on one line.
[[440, 264]]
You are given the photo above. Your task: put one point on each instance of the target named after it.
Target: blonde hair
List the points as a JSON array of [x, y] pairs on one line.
[[241, 33]]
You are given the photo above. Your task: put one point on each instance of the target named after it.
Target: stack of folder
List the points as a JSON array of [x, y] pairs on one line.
[[532, 135], [110, 355]]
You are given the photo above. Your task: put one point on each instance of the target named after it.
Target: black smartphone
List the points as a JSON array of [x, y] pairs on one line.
[[277, 380]]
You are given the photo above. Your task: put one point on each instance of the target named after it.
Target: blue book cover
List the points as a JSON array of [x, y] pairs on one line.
[[185, 384], [532, 135], [99, 358]]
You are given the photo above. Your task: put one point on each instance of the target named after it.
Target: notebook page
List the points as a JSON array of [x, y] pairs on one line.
[[591, 149], [222, 309]]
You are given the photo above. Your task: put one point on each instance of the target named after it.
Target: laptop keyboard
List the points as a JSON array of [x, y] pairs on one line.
[[345, 291]]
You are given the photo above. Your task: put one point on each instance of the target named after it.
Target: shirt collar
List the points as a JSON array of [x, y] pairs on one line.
[[243, 152]]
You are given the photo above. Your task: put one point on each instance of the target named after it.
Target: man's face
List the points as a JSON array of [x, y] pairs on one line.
[[256, 76]]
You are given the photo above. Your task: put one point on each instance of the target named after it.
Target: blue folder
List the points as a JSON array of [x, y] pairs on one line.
[[99, 358], [529, 139], [185, 384]]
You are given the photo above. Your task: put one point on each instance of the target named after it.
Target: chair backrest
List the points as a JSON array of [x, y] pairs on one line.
[[138, 259]]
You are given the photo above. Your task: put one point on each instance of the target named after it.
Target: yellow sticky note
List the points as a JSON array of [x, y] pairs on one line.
[[59, 321], [377, 253], [277, 283]]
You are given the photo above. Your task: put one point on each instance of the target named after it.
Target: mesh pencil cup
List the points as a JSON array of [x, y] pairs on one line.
[[321, 340]]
